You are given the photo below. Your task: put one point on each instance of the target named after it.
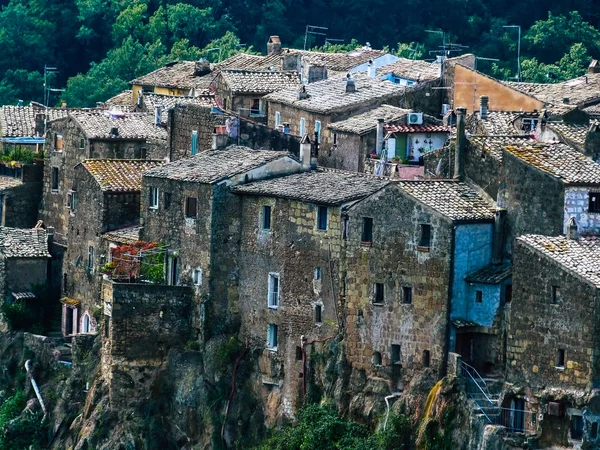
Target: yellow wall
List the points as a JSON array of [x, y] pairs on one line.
[[158, 90], [470, 85]]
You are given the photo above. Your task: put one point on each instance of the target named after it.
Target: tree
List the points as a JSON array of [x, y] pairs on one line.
[[571, 65]]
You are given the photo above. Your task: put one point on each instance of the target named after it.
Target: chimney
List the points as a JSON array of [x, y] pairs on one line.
[[291, 61], [566, 100], [201, 67], [484, 101], [158, 115], [219, 141], [302, 94], [572, 228], [40, 120], [114, 131], [498, 248], [273, 45], [379, 142], [371, 69], [594, 67], [350, 85], [459, 164], [305, 152], [63, 104]]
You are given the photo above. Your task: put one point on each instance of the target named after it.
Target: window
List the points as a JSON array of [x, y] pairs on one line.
[[406, 294], [376, 359], [154, 198], [273, 300], [426, 358], [560, 357], [266, 217], [255, 109], [72, 200], [194, 142], [367, 230], [334, 138], [298, 353], [58, 142], [425, 238], [106, 326], [55, 178], [197, 276], [277, 118], [378, 293], [191, 209], [594, 202], [81, 144], [478, 296], [555, 294], [508, 293], [167, 200], [64, 286], [594, 432], [272, 336], [86, 323], [322, 218], [172, 270], [318, 130], [302, 126], [576, 427], [318, 273], [395, 354], [318, 314], [90, 265], [346, 227]]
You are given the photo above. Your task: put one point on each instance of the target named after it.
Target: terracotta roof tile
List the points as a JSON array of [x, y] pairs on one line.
[[572, 133], [19, 121], [492, 274], [170, 101], [119, 175], [126, 235], [495, 145], [99, 125], [403, 128], [24, 243], [412, 69], [325, 186], [181, 75], [259, 82], [497, 123], [367, 121], [125, 98], [455, 200]]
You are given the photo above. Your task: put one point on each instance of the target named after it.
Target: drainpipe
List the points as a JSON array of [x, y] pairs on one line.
[[36, 389], [387, 405], [449, 301]]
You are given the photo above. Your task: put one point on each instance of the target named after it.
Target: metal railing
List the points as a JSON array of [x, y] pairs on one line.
[[478, 391], [517, 421]]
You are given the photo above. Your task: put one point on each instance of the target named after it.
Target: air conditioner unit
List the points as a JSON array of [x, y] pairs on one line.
[[415, 119]]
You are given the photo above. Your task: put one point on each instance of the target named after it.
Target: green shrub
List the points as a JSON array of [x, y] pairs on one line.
[[19, 431]]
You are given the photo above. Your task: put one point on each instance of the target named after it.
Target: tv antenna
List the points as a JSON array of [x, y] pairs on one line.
[[314, 30]]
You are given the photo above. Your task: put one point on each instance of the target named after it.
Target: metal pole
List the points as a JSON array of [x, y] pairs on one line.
[[305, 36], [519, 56]]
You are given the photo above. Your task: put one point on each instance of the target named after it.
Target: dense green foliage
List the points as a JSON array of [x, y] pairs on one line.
[[99, 46], [19, 431], [34, 315]]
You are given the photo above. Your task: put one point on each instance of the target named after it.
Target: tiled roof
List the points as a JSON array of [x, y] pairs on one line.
[[578, 91], [9, 182], [410, 69], [495, 145], [248, 62], [99, 124], [170, 101], [573, 133], [215, 165], [19, 121], [330, 95], [259, 82], [560, 161], [123, 99], [325, 186], [497, 123], [492, 274], [119, 175], [367, 121], [181, 75], [593, 111], [580, 256], [127, 235], [403, 128], [24, 242], [455, 200]]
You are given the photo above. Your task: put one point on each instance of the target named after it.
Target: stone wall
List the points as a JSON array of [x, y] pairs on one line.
[[350, 151], [483, 169], [21, 274], [259, 136], [183, 119], [395, 260], [143, 322], [539, 327], [20, 204]]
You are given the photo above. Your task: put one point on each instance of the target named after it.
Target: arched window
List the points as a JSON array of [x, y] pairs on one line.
[[86, 323]]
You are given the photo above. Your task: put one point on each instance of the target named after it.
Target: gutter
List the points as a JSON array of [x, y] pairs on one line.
[[36, 389]]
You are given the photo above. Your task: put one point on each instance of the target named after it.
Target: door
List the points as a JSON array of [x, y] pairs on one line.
[[173, 271]]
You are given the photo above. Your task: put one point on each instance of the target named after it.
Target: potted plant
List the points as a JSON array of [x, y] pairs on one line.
[[374, 155], [395, 159]]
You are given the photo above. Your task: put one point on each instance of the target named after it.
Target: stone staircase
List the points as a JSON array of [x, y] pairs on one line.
[[483, 394]]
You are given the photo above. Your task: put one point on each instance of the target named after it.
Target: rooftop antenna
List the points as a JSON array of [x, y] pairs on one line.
[[518, 49], [313, 29], [328, 41], [47, 91], [484, 59]]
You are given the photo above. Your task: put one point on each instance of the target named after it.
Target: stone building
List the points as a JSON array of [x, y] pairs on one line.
[[90, 134], [24, 262], [409, 249], [290, 257], [20, 195], [188, 205], [104, 196], [552, 347]]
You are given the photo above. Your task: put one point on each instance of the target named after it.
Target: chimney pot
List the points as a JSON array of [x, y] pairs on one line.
[[305, 152], [484, 101], [114, 131], [371, 71], [566, 100], [350, 85], [273, 45], [573, 228]]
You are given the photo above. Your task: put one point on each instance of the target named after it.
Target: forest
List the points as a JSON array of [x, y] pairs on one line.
[[96, 46]]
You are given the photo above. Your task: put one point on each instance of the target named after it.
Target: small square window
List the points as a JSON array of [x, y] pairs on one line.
[[426, 358], [367, 230], [478, 296], [425, 237], [55, 178], [272, 336], [376, 359], [266, 217], [395, 354], [594, 202], [508, 293], [302, 126], [91, 262], [318, 314], [378, 293], [191, 208], [58, 143], [556, 297], [81, 144], [277, 118], [273, 300], [299, 353], [318, 273], [197, 277], [560, 357], [322, 218], [167, 200], [406, 294], [153, 200]]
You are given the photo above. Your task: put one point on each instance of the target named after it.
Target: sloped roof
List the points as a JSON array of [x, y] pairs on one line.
[[495, 145], [403, 128], [560, 161], [259, 81], [170, 101], [126, 235], [19, 121], [455, 200], [580, 256], [325, 186], [412, 69], [330, 95], [367, 121], [497, 123], [180, 74], [216, 165], [119, 175], [24, 242], [135, 126], [571, 132], [123, 99], [492, 274]]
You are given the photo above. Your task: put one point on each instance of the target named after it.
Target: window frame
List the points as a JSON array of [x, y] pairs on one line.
[[154, 195], [367, 231], [266, 220], [561, 358], [478, 296], [424, 230], [274, 291], [166, 200], [91, 260], [407, 299], [377, 289], [272, 336], [59, 142], [556, 296], [188, 208], [318, 314], [395, 355], [54, 179], [322, 210], [197, 276], [318, 273], [318, 128]]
